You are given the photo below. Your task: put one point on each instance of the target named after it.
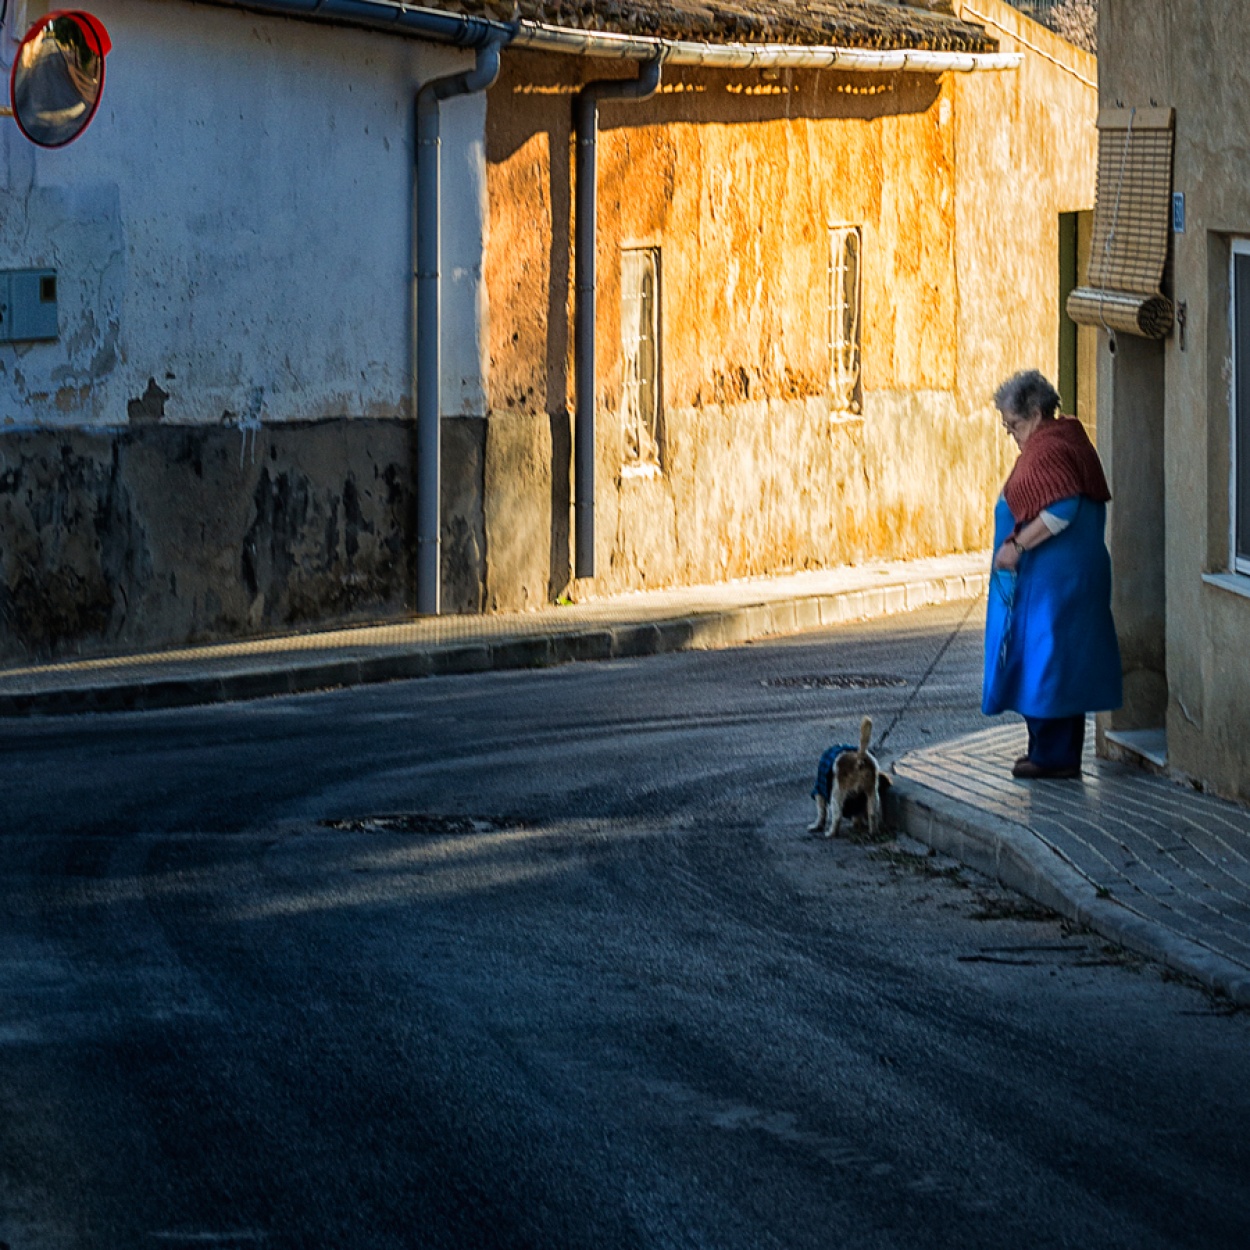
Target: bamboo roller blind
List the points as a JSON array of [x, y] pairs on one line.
[[1132, 217]]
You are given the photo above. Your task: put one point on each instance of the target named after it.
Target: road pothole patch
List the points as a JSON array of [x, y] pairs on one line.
[[421, 824]]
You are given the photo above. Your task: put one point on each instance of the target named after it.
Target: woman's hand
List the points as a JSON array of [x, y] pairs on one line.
[[1007, 556], [1025, 539]]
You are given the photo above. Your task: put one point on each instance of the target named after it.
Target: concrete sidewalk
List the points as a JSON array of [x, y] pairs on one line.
[[626, 625], [1150, 864]]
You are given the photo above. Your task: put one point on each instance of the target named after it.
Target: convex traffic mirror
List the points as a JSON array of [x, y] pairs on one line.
[[58, 77]]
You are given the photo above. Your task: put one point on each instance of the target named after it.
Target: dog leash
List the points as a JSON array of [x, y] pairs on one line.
[[937, 659]]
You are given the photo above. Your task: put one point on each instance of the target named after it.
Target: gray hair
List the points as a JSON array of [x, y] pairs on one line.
[[1024, 392]]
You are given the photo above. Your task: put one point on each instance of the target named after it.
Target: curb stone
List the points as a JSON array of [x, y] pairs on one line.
[[1019, 859], [270, 674]]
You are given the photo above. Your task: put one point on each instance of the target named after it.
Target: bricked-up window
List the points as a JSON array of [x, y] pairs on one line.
[[844, 317], [640, 343], [1240, 282]]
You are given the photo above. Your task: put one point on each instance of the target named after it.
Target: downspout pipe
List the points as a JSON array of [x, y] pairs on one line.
[[586, 199], [428, 315]]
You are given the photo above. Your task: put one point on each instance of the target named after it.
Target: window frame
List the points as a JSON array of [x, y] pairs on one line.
[[631, 381], [846, 391]]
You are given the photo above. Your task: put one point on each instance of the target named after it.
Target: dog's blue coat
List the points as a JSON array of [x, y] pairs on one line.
[[823, 789]]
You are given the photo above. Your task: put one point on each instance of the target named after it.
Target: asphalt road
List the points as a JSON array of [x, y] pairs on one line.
[[544, 959]]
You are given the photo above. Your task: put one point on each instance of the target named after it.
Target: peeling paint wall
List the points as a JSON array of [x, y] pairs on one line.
[[234, 229], [217, 442], [956, 184]]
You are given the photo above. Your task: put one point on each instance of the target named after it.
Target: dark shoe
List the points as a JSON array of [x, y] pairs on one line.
[[1026, 770]]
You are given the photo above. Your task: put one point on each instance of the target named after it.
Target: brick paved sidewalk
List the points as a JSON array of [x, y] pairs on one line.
[[623, 625], [1151, 864]]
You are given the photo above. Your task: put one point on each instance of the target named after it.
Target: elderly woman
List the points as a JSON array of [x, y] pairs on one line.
[[1050, 646]]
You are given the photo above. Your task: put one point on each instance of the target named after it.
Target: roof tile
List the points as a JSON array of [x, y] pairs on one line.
[[882, 24]]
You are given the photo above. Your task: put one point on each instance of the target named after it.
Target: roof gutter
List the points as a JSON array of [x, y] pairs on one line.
[[464, 31], [541, 37]]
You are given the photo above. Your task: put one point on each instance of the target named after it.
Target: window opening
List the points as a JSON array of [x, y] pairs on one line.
[[1240, 483], [844, 318], [640, 343], [1068, 282]]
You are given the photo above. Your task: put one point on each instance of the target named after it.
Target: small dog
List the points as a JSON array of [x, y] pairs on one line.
[[848, 781]]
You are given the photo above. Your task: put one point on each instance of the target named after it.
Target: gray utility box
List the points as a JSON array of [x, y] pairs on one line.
[[27, 305]]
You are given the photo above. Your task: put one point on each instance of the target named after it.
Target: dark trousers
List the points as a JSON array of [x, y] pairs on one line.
[[1056, 741]]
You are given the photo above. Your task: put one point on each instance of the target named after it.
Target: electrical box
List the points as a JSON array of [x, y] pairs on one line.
[[27, 305]]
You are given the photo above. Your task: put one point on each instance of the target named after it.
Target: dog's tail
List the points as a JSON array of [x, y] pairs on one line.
[[865, 733]]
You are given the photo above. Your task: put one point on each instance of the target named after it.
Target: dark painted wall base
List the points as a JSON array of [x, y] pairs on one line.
[[161, 535]]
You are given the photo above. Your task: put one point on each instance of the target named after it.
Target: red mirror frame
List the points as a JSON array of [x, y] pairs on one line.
[[93, 30]]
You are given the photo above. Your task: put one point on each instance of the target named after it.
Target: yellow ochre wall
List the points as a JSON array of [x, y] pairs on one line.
[[956, 181]]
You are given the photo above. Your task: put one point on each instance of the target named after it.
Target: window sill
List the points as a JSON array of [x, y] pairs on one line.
[[1235, 583]]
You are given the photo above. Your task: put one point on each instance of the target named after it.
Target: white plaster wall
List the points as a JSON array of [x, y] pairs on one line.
[[236, 225]]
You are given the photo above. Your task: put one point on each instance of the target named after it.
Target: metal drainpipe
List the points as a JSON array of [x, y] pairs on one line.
[[586, 113], [428, 318]]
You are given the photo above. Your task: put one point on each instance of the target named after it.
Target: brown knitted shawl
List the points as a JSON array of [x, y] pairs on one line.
[[1058, 461]]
